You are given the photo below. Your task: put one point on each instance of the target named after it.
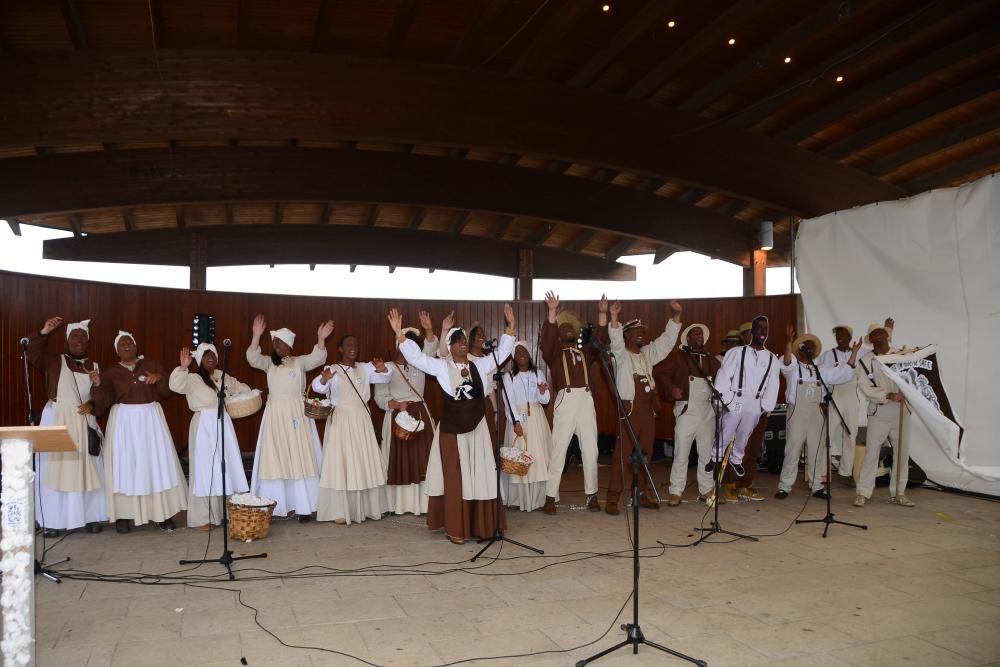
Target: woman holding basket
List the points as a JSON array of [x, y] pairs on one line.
[[528, 431]]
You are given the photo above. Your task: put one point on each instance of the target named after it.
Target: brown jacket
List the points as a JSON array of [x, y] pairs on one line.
[[553, 353], [50, 363], [119, 385], [680, 366]]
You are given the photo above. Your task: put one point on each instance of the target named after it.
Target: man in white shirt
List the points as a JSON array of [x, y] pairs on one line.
[[842, 443]]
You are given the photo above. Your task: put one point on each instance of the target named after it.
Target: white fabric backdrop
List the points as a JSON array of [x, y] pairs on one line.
[[932, 262]]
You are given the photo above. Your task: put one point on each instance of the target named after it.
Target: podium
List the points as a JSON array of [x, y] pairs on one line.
[[17, 445]]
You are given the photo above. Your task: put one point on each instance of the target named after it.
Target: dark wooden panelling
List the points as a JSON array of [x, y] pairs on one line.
[[160, 319]]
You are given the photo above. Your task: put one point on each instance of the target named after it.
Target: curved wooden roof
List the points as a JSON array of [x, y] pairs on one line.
[[545, 124]]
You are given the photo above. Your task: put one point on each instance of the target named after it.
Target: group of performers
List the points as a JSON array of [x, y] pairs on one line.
[[446, 468]]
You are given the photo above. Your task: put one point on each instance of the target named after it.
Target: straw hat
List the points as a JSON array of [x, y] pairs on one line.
[[850, 329], [797, 345], [570, 318], [746, 326], [732, 333], [684, 334], [875, 326]]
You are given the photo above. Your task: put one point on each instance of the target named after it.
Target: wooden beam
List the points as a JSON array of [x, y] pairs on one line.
[[523, 283], [198, 261], [242, 23], [392, 269], [502, 225], [321, 29], [461, 219], [543, 233], [326, 213], [45, 184], [913, 114], [662, 253], [401, 21], [15, 226], [652, 11], [74, 26], [872, 93], [954, 173], [229, 214], [604, 175], [418, 216], [180, 216], [933, 144], [621, 247], [484, 12], [560, 22], [373, 212], [650, 185], [74, 223], [354, 267], [302, 244], [279, 212], [711, 36], [582, 239], [128, 217], [312, 267], [771, 53], [360, 98]]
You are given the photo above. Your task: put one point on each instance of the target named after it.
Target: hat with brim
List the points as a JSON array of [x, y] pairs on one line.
[[570, 318], [875, 326], [847, 327], [746, 326], [732, 333], [696, 325], [801, 340]]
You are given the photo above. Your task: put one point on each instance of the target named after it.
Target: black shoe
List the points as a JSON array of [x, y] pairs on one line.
[[304, 518], [738, 469], [821, 493], [167, 525], [51, 532], [710, 466], [781, 495], [94, 527], [123, 526]]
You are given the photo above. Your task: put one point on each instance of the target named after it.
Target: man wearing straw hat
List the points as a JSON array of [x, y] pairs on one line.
[[885, 419], [804, 394], [574, 412], [846, 396], [687, 376], [731, 340], [745, 332]]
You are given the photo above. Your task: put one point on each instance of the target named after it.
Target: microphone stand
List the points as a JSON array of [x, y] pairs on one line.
[[827, 402], [498, 533], [40, 567], [226, 559], [633, 631]]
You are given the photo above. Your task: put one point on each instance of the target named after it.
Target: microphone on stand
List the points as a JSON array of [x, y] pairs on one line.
[[24, 342], [227, 343], [490, 345]]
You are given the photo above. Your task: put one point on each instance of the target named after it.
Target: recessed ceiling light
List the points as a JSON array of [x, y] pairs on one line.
[[671, 24], [731, 41], [606, 8], [788, 59], [840, 79]]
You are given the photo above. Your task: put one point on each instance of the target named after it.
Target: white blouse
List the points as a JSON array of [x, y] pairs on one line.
[[440, 368], [522, 390], [363, 375]]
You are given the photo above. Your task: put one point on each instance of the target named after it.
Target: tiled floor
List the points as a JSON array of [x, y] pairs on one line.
[[920, 587]]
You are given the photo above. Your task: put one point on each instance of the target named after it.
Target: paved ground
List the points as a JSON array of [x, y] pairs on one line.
[[920, 587]]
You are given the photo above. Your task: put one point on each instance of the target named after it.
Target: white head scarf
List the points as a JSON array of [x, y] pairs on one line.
[[287, 336], [415, 331], [83, 324], [451, 332], [201, 350], [123, 334]]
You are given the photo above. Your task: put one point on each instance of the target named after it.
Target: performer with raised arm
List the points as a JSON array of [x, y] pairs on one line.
[[804, 395], [885, 405], [528, 392], [634, 361], [287, 459], [748, 382], [145, 479], [69, 486], [352, 482], [405, 461], [573, 412], [201, 389], [687, 376], [842, 443], [461, 472]]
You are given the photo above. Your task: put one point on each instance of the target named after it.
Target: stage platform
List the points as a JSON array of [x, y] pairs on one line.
[[920, 587]]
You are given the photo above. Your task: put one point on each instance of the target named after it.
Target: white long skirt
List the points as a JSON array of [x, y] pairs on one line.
[[352, 484], [146, 479], [205, 471], [527, 492], [66, 510], [292, 495]]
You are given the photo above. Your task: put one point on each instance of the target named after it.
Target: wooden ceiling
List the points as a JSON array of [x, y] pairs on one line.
[[547, 124]]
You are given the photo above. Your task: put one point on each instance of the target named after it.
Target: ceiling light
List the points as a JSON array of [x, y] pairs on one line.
[[731, 41], [606, 8], [788, 59], [765, 235], [671, 24], [840, 79]]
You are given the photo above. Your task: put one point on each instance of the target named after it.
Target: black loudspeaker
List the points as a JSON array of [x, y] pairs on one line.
[[774, 441], [202, 329]]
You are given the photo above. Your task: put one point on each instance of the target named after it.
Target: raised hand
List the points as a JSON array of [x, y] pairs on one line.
[[518, 429], [448, 322], [95, 375], [508, 314], [425, 321], [675, 309], [790, 331], [259, 326], [324, 331], [395, 320], [857, 345], [552, 300], [327, 374], [889, 323], [51, 325], [152, 378], [615, 309], [602, 305], [185, 357]]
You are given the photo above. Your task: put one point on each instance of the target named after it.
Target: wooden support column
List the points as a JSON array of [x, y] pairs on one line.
[[525, 273], [755, 277], [199, 262]]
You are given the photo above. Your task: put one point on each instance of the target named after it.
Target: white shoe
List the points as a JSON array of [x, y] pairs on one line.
[[859, 500], [902, 501]]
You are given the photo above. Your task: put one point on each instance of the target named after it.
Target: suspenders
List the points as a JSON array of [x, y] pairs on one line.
[[586, 373], [760, 388]]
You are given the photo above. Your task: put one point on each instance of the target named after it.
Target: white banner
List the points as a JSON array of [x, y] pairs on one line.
[[932, 262]]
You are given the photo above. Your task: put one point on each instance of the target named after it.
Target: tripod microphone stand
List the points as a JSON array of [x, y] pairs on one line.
[[40, 567], [226, 559], [498, 533], [827, 402], [633, 630]]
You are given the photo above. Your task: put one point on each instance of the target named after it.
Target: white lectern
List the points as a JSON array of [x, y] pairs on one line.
[[17, 444]]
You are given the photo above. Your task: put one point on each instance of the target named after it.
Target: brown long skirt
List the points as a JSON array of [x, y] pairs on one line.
[[461, 519], [408, 458]]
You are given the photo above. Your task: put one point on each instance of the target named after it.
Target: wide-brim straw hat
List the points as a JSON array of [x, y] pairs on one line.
[[733, 333], [797, 345], [570, 318], [875, 326], [746, 326], [850, 329], [687, 330]]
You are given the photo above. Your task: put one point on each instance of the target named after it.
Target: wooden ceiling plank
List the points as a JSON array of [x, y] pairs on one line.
[[74, 25], [181, 216], [484, 12], [872, 93], [128, 218], [373, 212], [417, 218], [460, 221], [229, 214], [560, 22], [326, 214], [582, 239], [279, 212], [543, 233], [502, 225], [954, 173], [401, 22], [933, 144], [710, 36], [621, 247], [652, 11]]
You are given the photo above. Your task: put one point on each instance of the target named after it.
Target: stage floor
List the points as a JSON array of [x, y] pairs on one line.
[[920, 587]]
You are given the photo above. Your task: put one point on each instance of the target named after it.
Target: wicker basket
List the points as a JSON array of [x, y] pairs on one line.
[[314, 411], [514, 466], [244, 405], [401, 432], [248, 522]]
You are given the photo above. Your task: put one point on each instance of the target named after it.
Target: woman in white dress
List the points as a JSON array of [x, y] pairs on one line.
[[527, 392], [201, 389], [461, 472], [352, 481], [286, 461], [145, 479]]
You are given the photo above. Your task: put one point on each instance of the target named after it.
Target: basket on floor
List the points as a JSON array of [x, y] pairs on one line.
[[514, 460], [249, 522]]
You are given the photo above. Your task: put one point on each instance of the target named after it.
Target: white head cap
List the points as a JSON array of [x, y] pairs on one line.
[[123, 334], [83, 324], [201, 350], [287, 336], [451, 332]]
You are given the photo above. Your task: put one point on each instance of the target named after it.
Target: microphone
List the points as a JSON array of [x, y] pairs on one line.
[[24, 342], [490, 345], [227, 343]]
